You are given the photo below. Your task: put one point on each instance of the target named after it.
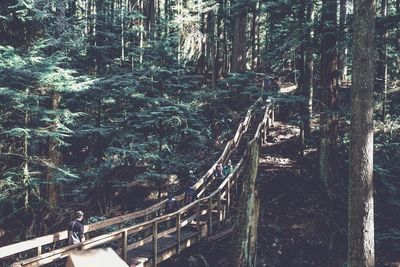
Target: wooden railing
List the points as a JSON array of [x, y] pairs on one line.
[[150, 230]]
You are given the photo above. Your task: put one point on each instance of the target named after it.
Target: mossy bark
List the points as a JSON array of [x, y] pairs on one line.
[[244, 239], [361, 202]]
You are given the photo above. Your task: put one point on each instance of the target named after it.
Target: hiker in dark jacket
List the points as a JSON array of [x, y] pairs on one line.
[[75, 229], [171, 205], [219, 171], [190, 195]]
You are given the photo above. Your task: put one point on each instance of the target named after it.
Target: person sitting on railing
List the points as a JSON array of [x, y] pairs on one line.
[[228, 168], [190, 195], [75, 229], [219, 171]]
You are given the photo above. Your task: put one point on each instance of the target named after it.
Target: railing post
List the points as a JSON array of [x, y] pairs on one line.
[[124, 243], [265, 132], [198, 215], [210, 216], [155, 252], [236, 182], [178, 231], [219, 210], [39, 250], [228, 197], [272, 114], [146, 232]]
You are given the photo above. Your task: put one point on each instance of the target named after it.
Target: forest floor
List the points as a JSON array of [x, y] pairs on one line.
[[294, 228]]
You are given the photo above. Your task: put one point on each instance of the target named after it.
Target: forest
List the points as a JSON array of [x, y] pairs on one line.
[[111, 106]]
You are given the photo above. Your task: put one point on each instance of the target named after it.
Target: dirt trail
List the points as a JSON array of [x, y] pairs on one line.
[[294, 229]]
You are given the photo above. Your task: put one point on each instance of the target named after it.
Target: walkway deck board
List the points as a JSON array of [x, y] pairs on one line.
[[163, 244]]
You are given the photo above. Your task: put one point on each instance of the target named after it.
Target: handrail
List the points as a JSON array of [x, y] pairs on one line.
[[221, 191], [38, 242]]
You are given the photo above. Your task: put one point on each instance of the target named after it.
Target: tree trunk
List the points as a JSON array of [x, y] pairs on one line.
[[342, 59], [201, 62], [258, 39], [211, 45], [150, 18], [299, 62], [225, 38], [100, 31], [398, 37], [381, 72], [54, 155], [244, 239], [308, 70], [218, 53], [253, 37], [239, 41], [71, 8], [361, 207], [328, 116], [122, 10]]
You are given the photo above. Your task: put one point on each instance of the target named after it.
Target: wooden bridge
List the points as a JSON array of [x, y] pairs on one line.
[[148, 237]]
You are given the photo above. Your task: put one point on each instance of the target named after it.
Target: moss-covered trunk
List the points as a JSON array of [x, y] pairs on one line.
[[244, 239]]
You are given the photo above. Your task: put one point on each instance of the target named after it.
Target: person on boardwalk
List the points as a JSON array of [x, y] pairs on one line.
[[219, 171], [75, 229], [190, 195], [267, 84], [228, 168], [171, 205]]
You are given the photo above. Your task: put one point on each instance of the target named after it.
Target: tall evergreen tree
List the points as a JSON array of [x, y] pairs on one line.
[[328, 116], [361, 250], [239, 53]]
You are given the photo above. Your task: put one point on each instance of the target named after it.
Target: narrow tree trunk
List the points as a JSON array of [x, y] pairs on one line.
[[54, 155], [253, 37], [201, 62], [244, 239], [25, 166], [122, 10], [219, 41], [211, 45], [258, 38], [141, 38], [382, 61], [209, 36], [239, 41], [308, 89], [166, 18], [398, 37], [300, 64], [328, 117], [361, 207], [100, 31], [150, 17], [225, 41], [342, 59], [26, 175]]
